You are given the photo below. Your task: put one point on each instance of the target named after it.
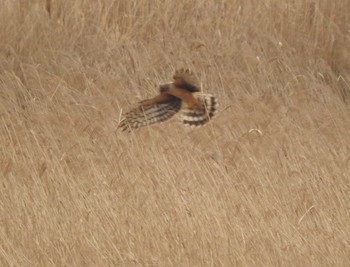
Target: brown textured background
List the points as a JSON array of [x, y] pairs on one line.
[[264, 184]]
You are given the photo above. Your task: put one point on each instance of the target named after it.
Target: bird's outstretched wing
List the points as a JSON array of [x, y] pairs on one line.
[[202, 113], [151, 111]]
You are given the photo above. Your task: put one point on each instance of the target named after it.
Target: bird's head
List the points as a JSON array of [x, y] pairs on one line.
[[164, 87]]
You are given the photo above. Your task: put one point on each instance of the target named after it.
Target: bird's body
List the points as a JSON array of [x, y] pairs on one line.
[[181, 94]]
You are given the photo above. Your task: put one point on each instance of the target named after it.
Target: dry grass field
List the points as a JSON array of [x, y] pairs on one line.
[[266, 183]]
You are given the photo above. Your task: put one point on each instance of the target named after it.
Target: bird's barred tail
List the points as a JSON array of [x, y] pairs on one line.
[[200, 116]]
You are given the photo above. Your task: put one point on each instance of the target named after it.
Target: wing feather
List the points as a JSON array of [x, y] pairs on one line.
[[202, 114], [149, 114]]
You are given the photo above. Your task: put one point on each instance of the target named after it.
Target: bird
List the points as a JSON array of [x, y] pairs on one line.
[[182, 95]]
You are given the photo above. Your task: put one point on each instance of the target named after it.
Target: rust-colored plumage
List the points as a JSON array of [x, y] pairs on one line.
[[182, 94]]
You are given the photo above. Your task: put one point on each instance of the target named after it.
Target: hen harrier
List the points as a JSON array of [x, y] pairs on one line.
[[183, 93]]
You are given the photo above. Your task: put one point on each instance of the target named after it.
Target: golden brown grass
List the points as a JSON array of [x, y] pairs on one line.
[[264, 184]]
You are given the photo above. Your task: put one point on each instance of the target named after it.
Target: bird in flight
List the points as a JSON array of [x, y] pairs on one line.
[[182, 94]]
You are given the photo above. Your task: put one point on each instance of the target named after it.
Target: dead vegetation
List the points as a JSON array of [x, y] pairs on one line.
[[264, 184]]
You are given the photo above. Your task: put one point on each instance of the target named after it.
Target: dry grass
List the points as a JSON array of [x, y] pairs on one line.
[[265, 184]]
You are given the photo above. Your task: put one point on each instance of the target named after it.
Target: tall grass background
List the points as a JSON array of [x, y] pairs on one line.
[[266, 183]]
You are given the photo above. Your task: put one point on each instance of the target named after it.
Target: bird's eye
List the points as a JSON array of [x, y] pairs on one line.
[[163, 87]]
